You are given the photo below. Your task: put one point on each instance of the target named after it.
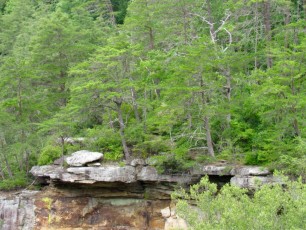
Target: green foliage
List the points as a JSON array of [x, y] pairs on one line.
[[203, 207], [214, 80], [153, 145], [108, 142], [49, 154], [171, 163], [20, 180]]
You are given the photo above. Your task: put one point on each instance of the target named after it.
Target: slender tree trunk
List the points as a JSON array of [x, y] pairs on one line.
[[27, 160], [111, 12], [151, 38], [19, 163], [121, 129], [210, 146], [256, 36], [111, 123], [157, 91], [267, 19], [135, 105], [228, 90], [144, 111], [8, 168], [189, 115], [207, 122], [63, 100], [19, 96], [185, 23], [287, 21], [2, 173], [63, 149], [296, 128]]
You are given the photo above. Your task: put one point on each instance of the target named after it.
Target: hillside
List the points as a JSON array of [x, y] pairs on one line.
[[177, 81]]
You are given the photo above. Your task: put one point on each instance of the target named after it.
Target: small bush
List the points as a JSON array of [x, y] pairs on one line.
[[19, 181], [153, 145], [271, 207], [110, 144], [251, 158], [49, 154], [171, 164]]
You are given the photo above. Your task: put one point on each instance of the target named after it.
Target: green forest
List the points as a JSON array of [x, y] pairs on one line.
[[180, 81]]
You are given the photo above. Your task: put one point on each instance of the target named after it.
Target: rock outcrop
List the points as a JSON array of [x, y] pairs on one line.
[[17, 211], [112, 196]]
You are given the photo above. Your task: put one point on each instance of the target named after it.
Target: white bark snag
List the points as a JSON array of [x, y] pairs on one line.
[[121, 129]]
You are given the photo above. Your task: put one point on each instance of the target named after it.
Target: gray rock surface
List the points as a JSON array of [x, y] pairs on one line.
[[150, 174], [86, 175], [124, 174], [217, 170], [252, 182], [137, 162], [83, 157], [250, 171], [17, 211]]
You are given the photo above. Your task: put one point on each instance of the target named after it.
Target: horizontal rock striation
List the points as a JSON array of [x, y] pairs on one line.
[[104, 196]]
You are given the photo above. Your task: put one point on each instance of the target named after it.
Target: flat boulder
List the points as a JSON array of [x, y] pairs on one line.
[[83, 157]]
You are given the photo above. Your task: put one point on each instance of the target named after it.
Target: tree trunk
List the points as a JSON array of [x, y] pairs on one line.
[[27, 160], [63, 149], [267, 19], [151, 37], [211, 25], [206, 122], [228, 91], [135, 106], [256, 36], [287, 21], [296, 128], [19, 96], [144, 111], [8, 168], [63, 100], [111, 123], [2, 173], [19, 163], [210, 146], [121, 129], [111, 12]]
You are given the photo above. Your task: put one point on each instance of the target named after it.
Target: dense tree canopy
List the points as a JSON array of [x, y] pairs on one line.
[[163, 78]]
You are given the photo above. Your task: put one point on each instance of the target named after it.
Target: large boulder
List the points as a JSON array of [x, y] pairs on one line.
[[83, 157]]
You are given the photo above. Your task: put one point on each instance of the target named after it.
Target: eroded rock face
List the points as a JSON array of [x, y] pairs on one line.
[[17, 212], [124, 174], [82, 157], [173, 221], [110, 196], [60, 209], [54, 211]]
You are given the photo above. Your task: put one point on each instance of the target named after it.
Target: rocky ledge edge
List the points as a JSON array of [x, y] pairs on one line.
[[140, 171]]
